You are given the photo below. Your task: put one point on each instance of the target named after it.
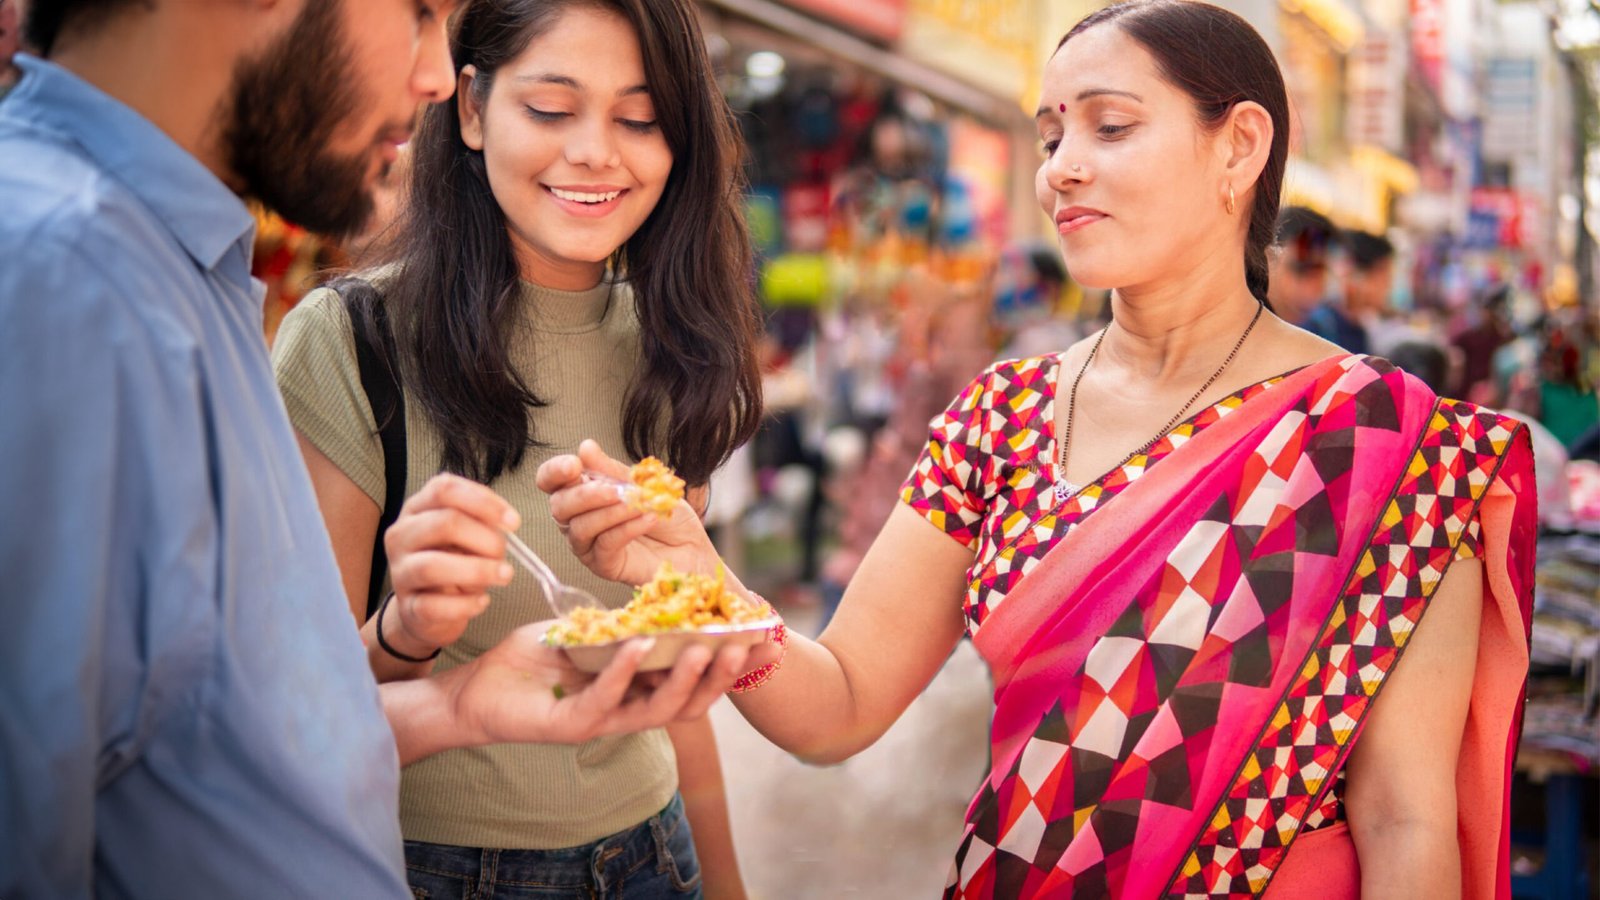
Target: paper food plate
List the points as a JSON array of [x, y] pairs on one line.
[[592, 658]]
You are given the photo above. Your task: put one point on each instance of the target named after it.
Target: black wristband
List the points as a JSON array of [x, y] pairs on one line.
[[392, 651]]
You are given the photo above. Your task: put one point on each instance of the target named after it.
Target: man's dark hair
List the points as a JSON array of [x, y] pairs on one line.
[[1367, 250], [1297, 222], [1307, 238], [1046, 264], [47, 19], [1496, 297]]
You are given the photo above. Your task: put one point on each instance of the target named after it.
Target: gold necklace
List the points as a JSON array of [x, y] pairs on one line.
[[1066, 489]]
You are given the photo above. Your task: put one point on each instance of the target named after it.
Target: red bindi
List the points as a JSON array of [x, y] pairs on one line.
[[1063, 107]]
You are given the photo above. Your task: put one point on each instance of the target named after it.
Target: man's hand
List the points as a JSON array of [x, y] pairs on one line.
[[521, 691]]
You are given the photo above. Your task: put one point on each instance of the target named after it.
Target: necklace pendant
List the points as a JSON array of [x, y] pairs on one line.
[[1065, 490]]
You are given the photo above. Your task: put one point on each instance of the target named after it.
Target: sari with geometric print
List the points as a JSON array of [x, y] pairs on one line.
[[1181, 677]]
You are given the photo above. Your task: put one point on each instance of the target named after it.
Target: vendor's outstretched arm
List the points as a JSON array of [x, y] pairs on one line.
[[898, 623]]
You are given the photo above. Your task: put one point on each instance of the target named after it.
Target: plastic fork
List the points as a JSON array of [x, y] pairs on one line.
[[627, 491], [563, 598]]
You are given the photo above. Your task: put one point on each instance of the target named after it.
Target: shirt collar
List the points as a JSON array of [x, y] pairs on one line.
[[205, 216]]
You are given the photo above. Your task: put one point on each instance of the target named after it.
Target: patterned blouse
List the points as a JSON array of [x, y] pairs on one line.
[[986, 477]]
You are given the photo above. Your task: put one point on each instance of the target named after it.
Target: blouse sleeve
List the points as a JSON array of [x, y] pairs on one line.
[[949, 485]]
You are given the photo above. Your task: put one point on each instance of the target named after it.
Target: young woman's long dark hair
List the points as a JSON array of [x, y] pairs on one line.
[[696, 394], [1216, 58]]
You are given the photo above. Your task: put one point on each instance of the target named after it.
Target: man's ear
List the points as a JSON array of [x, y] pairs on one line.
[[468, 109]]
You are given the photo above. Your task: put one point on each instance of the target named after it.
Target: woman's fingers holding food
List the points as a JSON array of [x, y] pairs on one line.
[[595, 459], [433, 528], [558, 473], [438, 619], [449, 491], [607, 532], [577, 500], [439, 571]]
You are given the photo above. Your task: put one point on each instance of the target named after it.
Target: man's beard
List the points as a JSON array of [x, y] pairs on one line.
[[285, 108]]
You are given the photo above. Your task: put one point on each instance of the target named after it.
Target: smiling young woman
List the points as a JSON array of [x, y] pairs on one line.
[[573, 263], [1194, 548]]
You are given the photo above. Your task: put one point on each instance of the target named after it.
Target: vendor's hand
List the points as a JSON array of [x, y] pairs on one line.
[[521, 691], [616, 541], [446, 549]]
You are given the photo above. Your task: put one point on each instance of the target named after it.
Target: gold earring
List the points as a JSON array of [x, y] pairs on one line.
[[1231, 204]]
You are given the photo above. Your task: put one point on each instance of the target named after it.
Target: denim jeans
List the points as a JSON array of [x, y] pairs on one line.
[[654, 859]]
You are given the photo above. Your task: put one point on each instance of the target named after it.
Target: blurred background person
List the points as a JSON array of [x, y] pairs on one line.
[[1432, 364], [1479, 344], [890, 194], [1298, 276], [1030, 303], [1566, 402], [1368, 277], [1427, 361]]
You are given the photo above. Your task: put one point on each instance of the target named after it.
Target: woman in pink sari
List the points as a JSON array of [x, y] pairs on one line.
[[1197, 549]]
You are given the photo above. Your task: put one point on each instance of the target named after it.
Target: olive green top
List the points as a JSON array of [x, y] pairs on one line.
[[577, 352]]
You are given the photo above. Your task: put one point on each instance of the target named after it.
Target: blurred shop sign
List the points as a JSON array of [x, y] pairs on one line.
[[1376, 76], [1338, 21], [1499, 218], [1426, 212], [980, 161], [1511, 102], [1427, 39], [993, 44], [883, 19]]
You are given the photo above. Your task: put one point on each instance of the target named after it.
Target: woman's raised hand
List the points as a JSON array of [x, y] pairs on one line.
[[613, 539], [445, 551]]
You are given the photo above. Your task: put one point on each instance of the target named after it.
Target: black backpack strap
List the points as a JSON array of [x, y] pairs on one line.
[[375, 355]]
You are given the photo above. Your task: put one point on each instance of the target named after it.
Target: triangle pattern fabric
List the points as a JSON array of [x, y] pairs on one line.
[[1293, 782], [1130, 734]]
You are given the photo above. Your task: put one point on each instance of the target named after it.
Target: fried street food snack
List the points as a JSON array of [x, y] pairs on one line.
[[655, 488], [672, 601]]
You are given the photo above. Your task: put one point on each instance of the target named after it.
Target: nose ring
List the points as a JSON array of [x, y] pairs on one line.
[[1077, 168]]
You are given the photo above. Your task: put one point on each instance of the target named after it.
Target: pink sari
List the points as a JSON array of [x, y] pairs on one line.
[[1180, 680]]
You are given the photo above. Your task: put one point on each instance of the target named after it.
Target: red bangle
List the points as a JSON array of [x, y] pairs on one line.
[[755, 678]]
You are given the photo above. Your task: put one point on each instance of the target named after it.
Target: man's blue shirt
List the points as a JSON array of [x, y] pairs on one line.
[[185, 706]]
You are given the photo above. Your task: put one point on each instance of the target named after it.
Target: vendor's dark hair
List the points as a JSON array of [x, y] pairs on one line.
[[696, 391], [1216, 58], [47, 19], [1366, 250]]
